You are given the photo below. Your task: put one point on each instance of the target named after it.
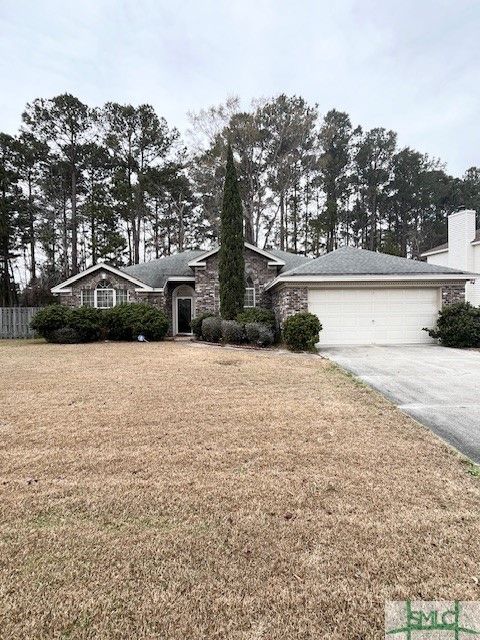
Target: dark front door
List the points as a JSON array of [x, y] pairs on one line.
[[184, 315]]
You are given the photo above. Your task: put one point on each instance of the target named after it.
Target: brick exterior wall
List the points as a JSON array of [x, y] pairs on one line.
[[256, 267], [91, 281], [453, 293], [288, 301], [285, 302]]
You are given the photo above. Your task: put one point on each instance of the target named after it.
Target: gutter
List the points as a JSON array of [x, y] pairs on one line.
[[420, 277]]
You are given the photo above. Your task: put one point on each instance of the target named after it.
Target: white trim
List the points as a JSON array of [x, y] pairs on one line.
[[200, 261], [114, 291], [175, 299], [420, 277], [433, 252], [181, 279], [273, 262], [95, 297], [61, 288], [176, 279], [474, 242]]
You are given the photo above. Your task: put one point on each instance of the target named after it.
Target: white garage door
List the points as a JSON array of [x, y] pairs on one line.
[[374, 316]]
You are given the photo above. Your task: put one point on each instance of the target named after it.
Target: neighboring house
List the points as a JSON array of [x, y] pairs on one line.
[[462, 251], [361, 297]]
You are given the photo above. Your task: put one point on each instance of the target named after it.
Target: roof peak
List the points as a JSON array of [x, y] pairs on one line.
[[357, 261]]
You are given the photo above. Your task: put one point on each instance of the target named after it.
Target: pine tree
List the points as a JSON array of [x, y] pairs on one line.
[[231, 268]]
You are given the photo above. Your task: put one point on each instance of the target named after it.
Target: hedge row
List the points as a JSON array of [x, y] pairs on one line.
[[214, 329], [258, 326], [57, 323]]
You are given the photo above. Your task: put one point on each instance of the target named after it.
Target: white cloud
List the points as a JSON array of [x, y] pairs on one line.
[[410, 66]]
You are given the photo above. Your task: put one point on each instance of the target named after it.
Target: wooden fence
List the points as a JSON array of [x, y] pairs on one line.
[[15, 322]]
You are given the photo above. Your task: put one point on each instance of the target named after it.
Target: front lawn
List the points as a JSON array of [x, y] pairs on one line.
[[186, 492]]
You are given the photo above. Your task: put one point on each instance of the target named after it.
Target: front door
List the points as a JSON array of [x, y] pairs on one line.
[[184, 315]]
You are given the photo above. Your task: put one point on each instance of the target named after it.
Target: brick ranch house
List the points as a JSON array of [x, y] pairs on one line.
[[361, 297]]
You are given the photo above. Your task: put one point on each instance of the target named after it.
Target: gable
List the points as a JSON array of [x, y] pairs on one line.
[[96, 270], [270, 257]]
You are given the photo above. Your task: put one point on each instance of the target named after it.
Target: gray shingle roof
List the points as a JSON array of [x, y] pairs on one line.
[[292, 260], [351, 261], [155, 272]]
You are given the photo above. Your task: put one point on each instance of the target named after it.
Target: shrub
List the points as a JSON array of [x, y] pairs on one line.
[[300, 331], [129, 320], [232, 332], [64, 335], [258, 315], [196, 323], [87, 323], [458, 325], [259, 334], [212, 329], [50, 319]]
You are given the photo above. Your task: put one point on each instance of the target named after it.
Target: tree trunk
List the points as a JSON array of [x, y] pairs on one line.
[[248, 224], [155, 230], [31, 222], [66, 270], [93, 224], [136, 240], [373, 222], [181, 228], [74, 220], [295, 222], [307, 215], [282, 221]]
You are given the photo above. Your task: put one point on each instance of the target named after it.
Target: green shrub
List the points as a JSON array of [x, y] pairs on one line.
[[196, 323], [212, 329], [87, 322], [129, 320], [64, 335], [300, 331], [232, 332], [50, 319], [259, 334], [458, 325], [258, 315]]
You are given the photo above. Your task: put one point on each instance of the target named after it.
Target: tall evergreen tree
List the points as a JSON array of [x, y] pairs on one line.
[[231, 267], [64, 122], [10, 203]]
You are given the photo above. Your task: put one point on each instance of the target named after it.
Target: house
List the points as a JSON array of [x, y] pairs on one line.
[[361, 297], [461, 251]]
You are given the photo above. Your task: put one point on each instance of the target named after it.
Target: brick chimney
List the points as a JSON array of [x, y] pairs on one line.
[[461, 232]]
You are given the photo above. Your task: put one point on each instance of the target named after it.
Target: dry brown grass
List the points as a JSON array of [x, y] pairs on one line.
[[185, 492]]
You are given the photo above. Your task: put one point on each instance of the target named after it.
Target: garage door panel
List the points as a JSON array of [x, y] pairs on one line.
[[374, 316]]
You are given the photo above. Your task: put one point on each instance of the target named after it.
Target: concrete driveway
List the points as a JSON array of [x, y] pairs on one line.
[[437, 386]]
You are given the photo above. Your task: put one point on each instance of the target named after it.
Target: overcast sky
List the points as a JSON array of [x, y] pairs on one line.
[[412, 66]]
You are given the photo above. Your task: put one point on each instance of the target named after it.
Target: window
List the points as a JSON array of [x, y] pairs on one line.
[[250, 298], [122, 296], [88, 298], [105, 295], [249, 293]]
